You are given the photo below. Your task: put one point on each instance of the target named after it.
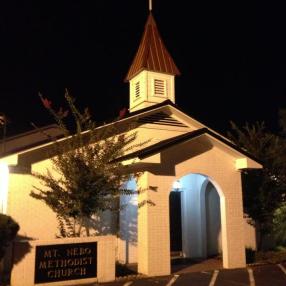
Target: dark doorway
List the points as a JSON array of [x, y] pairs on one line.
[[175, 222]]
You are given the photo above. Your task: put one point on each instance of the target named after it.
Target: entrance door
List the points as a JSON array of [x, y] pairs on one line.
[[175, 222]]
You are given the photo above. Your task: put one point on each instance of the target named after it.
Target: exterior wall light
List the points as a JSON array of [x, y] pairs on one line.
[[4, 178], [177, 186]]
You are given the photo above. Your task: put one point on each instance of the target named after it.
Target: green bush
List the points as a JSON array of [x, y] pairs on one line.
[[8, 231], [279, 225], [250, 255]]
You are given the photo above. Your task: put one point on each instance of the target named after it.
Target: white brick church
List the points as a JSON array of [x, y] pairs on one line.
[[191, 173]]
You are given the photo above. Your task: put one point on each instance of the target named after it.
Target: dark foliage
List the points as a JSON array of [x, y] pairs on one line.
[[264, 189], [8, 231]]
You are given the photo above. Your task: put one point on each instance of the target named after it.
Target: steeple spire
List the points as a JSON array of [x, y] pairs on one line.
[[152, 73], [152, 54]]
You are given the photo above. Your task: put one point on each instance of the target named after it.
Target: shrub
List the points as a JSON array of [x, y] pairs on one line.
[[250, 255], [8, 231]]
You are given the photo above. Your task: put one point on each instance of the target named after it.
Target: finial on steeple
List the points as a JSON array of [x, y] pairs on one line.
[[150, 5]]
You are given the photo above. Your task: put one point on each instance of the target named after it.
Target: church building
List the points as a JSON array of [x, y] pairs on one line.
[[191, 174]]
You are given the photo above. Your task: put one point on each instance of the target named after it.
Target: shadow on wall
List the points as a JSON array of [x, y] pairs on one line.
[[14, 254], [128, 229], [21, 248], [128, 225], [106, 223]]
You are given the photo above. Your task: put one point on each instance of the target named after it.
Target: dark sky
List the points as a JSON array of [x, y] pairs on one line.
[[232, 56]]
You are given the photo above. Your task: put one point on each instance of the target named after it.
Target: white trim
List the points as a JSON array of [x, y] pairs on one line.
[[173, 280], [251, 277], [214, 277], [282, 268]]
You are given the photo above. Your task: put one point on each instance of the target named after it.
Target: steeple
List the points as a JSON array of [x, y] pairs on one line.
[[151, 74]]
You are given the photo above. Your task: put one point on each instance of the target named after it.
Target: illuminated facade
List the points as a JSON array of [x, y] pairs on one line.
[[4, 181], [201, 215]]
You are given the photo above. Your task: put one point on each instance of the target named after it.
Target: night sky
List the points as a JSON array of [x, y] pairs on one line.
[[231, 54]]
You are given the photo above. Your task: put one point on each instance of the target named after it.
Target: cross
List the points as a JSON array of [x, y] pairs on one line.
[[150, 5]]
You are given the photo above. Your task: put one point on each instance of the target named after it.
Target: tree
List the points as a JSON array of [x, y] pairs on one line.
[[85, 180], [263, 189], [8, 231], [279, 225]]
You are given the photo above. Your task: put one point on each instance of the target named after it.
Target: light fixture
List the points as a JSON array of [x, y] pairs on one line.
[[4, 178], [177, 185]]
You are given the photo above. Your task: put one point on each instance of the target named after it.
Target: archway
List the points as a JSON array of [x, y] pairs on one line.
[[195, 205]]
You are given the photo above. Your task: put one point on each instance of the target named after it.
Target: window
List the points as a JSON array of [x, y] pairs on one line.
[[159, 87]]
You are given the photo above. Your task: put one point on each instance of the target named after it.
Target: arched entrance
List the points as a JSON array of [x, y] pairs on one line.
[[195, 219]]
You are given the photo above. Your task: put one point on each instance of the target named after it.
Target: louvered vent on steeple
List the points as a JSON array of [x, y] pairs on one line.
[[159, 87], [137, 89]]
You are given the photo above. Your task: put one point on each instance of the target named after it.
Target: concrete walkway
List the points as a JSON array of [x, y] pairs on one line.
[[182, 265], [179, 266], [262, 275]]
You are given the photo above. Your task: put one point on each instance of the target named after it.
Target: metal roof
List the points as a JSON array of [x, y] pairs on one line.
[[152, 54]]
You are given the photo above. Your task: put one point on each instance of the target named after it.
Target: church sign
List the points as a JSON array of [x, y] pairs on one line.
[[61, 262]]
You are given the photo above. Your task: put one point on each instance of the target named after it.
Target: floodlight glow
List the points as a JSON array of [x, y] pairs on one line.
[[177, 185], [4, 178]]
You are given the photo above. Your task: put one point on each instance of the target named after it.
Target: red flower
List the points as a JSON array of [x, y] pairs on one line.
[[122, 113], [47, 103]]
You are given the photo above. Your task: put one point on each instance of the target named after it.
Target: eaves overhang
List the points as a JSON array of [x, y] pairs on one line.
[[171, 142]]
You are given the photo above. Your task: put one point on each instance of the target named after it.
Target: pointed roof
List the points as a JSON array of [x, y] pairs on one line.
[[152, 54]]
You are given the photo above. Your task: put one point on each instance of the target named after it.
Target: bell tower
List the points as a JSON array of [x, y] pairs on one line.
[[152, 73]]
